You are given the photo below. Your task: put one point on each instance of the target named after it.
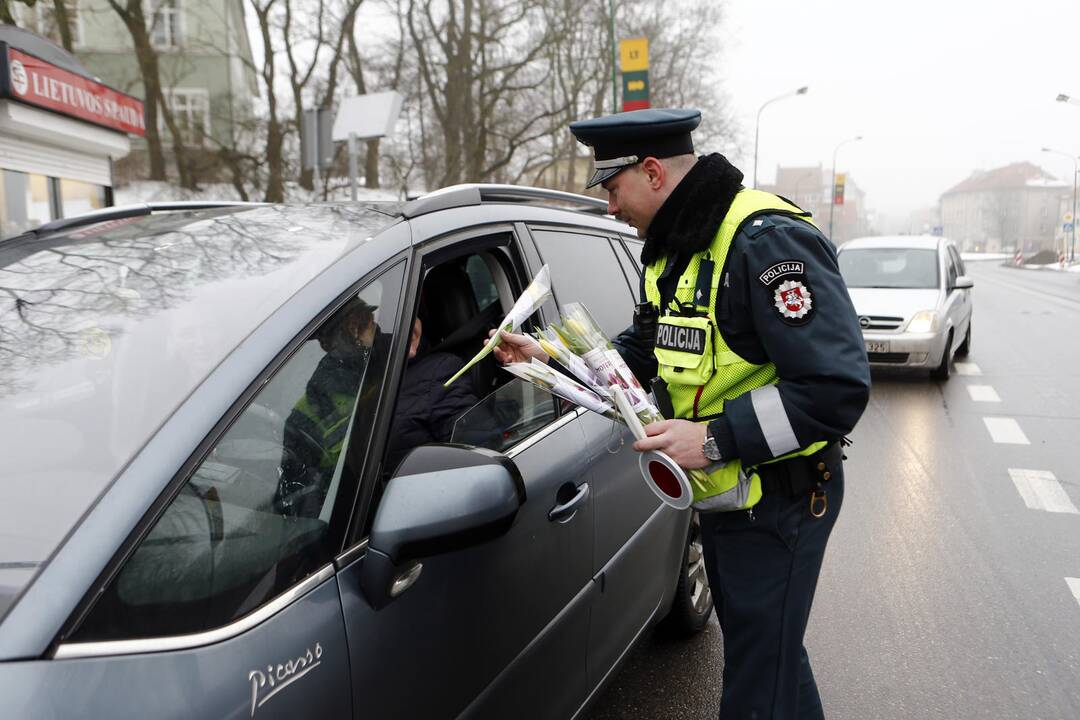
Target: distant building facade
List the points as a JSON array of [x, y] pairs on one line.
[[1015, 207], [809, 188]]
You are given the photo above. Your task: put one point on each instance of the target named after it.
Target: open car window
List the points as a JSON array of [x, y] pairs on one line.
[[507, 416]]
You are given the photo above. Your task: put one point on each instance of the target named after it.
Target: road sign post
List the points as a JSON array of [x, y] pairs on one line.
[[316, 147], [634, 60], [364, 117], [838, 189]]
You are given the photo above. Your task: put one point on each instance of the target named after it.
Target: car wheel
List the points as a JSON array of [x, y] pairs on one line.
[[941, 372], [693, 599], [965, 347]]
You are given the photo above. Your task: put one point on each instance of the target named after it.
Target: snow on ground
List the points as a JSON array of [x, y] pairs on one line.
[[976, 257]]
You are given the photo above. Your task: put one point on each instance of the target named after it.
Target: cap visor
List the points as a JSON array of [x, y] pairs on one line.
[[601, 175]]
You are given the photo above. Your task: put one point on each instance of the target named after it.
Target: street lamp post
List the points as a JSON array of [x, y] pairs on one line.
[[832, 185], [1076, 169], [757, 125], [798, 181]]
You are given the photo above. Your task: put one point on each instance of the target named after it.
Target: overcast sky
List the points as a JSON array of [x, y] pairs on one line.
[[937, 88]]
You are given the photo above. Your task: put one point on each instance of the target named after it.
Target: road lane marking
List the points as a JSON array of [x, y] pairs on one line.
[[967, 368], [983, 393], [1074, 585], [1042, 491], [1006, 431]]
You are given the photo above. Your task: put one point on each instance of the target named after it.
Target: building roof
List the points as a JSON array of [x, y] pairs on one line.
[[1009, 177], [42, 48]]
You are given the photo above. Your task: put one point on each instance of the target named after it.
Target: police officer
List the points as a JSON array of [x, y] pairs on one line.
[[747, 322]]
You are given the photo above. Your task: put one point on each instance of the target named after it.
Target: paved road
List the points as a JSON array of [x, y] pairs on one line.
[[952, 584]]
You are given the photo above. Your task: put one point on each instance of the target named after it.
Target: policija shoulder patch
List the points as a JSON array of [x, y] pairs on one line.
[[791, 293]]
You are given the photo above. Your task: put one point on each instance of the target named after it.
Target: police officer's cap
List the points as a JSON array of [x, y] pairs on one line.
[[621, 140]]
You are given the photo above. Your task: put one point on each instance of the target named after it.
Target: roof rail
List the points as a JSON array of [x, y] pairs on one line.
[[478, 193], [127, 211]]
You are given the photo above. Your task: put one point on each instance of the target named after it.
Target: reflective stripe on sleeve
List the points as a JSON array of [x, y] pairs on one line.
[[773, 420]]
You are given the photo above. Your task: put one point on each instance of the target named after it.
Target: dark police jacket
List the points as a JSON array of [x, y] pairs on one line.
[[824, 377]]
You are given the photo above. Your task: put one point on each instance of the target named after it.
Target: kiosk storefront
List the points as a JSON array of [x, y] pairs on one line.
[[60, 130]]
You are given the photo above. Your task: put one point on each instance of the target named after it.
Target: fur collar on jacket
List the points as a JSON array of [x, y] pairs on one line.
[[689, 218]]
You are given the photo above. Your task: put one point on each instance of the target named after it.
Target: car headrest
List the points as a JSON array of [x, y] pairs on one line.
[[449, 302]]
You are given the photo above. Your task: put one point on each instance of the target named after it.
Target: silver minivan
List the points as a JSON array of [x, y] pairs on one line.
[[913, 300], [203, 516]]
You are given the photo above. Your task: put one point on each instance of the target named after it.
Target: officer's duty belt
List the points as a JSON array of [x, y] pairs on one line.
[[799, 475]]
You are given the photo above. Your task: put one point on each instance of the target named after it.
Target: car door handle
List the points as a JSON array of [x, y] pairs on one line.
[[565, 511]]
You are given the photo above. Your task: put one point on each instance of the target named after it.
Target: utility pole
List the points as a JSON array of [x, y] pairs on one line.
[[614, 81]]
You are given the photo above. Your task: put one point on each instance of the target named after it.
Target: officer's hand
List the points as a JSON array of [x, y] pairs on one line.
[[518, 348], [680, 440]]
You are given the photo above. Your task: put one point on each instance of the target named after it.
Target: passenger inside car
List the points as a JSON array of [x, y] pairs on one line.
[[317, 427]]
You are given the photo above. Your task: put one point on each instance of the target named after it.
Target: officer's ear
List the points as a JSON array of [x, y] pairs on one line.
[[655, 172]]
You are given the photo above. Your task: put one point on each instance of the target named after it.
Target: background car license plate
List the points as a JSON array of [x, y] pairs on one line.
[[874, 346]]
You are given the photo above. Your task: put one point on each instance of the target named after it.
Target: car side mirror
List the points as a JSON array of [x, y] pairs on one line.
[[442, 498], [964, 283]]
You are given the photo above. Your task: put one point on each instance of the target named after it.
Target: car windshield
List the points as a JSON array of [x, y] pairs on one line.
[[890, 268], [105, 331]]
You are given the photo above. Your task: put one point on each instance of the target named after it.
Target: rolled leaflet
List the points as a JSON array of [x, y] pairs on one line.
[[535, 295]]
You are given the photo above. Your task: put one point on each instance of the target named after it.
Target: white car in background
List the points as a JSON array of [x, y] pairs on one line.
[[913, 300]]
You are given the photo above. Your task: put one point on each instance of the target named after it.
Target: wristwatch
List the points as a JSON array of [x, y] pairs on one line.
[[709, 448]]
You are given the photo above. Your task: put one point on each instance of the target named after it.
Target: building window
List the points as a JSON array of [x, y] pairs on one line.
[[25, 202], [191, 112], [42, 19], [164, 18], [77, 197]]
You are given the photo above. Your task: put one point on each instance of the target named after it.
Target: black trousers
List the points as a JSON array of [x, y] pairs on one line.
[[763, 569]]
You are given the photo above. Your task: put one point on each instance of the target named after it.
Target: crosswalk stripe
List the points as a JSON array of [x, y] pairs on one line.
[[1074, 585], [967, 368], [1005, 430], [983, 393], [1042, 491]]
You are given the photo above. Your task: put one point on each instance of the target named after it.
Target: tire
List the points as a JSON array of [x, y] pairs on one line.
[[941, 372], [693, 602], [965, 347]]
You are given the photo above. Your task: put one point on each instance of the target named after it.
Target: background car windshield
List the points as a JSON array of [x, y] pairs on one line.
[[108, 329], [889, 268]]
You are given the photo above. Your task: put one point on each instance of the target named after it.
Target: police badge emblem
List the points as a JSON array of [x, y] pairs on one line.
[[791, 295], [793, 299]]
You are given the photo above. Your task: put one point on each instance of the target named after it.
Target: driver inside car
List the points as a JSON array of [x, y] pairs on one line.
[[426, 411]]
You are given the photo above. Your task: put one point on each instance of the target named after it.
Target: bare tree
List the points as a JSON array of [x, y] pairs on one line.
[[63, 24], [57, 23], [275, 130], [481, 68], [299, 78], [131, 13]]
